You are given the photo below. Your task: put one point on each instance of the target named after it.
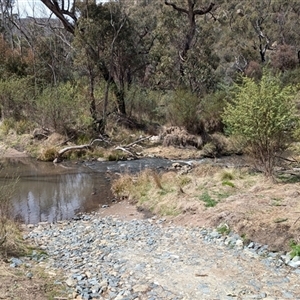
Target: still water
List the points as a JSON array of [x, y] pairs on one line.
[[48, 192]]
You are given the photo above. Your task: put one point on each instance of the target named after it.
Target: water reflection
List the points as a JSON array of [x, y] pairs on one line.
[[45, 192], [48, 192]]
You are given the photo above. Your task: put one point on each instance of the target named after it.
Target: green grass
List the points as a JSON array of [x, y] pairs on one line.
[[221, 196], [287, 178], [228, 183], [295, 249], [276, 201], [184, 180], [223, 229], [226, 176], [209, 201]]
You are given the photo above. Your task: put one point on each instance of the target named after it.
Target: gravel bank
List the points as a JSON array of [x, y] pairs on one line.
[[108, 258]]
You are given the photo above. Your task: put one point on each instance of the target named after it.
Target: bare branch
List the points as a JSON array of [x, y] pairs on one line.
[[176, 7], [204, 11], [62, 14]]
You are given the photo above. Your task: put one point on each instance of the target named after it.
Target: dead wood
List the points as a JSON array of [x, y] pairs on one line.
[[138, 141], [58, 159], [126, 150], [61, 152]]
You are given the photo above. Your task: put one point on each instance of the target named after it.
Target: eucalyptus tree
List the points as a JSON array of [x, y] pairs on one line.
[[107, 46], [191, 11], [184, 48], [256, 31], [6, 14]]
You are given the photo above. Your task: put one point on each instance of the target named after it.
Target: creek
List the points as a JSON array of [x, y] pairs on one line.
[[46, 192]]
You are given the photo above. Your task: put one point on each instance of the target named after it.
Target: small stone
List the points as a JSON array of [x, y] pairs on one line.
[[296, 258], [251, 245], [140, 288], [70, 282], [294, 264], [16, 262], [239, 244], [88, 274]]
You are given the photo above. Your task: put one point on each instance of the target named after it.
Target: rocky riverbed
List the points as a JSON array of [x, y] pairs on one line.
[[110, 258]]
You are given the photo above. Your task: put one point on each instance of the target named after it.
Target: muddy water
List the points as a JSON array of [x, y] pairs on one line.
[[48, 192]]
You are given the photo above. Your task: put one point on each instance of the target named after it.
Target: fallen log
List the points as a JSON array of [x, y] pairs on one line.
[[60, 153], [125, 148], [126, 151]]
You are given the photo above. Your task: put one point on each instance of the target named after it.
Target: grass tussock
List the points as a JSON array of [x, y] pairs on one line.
[[11, 240], [170, 194], [48, 154]]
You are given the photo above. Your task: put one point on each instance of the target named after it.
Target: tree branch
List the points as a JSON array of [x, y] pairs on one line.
[[61, 14], [204, 11], [176, 7]]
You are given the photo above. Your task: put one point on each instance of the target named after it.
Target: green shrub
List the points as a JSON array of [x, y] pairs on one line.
[[295, 249], [16, 96], [227, 175], [263, 116], [144, 104], [62, 108], [7, 124], [48, 154], [182, 110], [212, 106]]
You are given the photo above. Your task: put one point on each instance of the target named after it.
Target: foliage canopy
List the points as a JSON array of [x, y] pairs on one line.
[[263, 116]]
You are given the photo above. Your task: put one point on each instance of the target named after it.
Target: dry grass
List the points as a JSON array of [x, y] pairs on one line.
[[246, 201], [171, 194], [14, 244], [48, 154], [11, 241], [15, 284]]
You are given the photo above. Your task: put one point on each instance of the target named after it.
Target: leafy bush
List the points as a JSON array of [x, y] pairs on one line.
[[61, 108], [211, 109], [16, 96], [285, 58], [144, 104], [182, 110], [263, 116]]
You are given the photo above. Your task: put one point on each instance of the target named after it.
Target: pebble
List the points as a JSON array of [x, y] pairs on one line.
[[107, 258]]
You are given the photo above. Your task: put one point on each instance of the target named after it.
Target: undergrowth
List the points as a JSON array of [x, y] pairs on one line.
[[295, 249], [169, 193]]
